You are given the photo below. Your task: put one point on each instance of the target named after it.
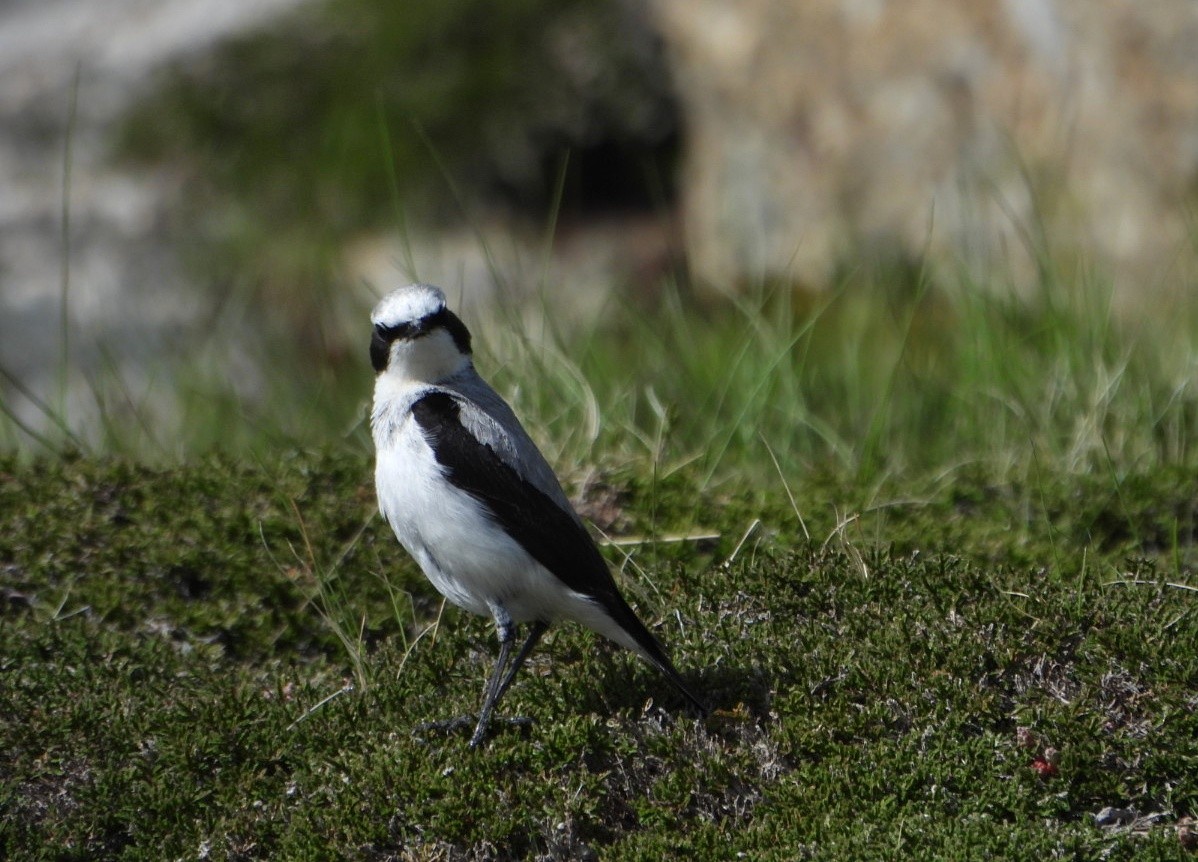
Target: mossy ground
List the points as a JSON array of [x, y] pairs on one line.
[[222, 661], [230, 658]]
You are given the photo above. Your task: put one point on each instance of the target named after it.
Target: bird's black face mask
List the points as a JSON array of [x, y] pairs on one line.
[[383, 336]]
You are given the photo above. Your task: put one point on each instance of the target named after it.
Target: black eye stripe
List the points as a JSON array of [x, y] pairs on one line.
[[390, 333], [443, 318], [456, 329]]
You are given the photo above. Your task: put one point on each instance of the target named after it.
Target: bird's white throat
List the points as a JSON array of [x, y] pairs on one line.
[[422, 361]]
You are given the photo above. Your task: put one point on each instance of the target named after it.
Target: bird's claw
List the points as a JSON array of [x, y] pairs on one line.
[[453, 725]]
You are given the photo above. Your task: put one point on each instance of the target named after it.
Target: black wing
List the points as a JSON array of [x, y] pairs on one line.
[[550, 534]]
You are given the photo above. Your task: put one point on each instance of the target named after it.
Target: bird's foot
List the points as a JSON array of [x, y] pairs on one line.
[[445, 725], [453, 725]]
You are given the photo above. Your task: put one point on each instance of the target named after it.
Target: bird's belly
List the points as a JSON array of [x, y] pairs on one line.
[[465, 554]]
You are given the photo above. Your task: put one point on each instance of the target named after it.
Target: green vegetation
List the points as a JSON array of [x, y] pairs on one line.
[[949, 609], [951, 374], [928, 548], [875, 384], [231, 662]]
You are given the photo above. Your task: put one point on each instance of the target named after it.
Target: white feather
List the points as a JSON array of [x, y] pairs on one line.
[[465, 554]]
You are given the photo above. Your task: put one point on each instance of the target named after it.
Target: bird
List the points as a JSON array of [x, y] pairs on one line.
[[473, 501]]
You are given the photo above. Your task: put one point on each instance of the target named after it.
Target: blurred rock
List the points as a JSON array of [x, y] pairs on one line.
[[500, 269], [819, 130], [106, 240]]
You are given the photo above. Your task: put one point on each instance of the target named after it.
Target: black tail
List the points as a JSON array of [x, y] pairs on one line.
[[652, 650]]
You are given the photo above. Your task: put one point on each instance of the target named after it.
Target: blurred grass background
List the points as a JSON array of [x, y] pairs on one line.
[[357, 117], [943, 375]]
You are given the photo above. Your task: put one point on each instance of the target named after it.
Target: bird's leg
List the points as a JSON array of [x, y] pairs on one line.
[[538, 629], [506, 630], [498, 681]]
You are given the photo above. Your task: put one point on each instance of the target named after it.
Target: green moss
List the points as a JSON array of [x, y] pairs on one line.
[[178, 682]]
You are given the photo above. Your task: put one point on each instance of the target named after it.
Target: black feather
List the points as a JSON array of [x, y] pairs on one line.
[[548, 533]]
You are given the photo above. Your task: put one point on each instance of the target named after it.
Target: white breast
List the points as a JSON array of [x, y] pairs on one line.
[[466, 555]]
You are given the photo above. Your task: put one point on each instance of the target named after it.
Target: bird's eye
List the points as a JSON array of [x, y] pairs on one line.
[[390, 333]]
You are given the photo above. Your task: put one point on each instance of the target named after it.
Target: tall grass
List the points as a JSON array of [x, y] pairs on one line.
[[948, 373], [877, 376]]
